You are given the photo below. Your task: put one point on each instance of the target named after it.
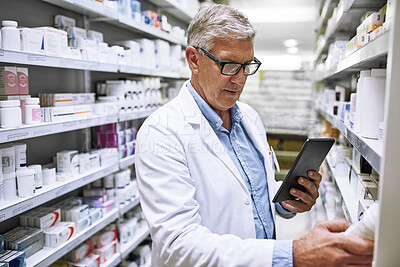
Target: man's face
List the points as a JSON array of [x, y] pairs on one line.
[[220, 91]]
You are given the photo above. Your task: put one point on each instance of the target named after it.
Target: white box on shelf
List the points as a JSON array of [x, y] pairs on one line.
[[31, 40], [95, 35], [59, 234], [51, 41], [68, 162], [64, 22]]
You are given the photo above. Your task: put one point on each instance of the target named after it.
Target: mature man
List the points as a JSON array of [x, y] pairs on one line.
[[205, 174]]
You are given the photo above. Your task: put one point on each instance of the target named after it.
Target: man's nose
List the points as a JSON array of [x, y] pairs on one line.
[[239, 78]]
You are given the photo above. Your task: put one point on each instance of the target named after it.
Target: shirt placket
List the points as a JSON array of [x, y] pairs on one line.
[[254, 194]]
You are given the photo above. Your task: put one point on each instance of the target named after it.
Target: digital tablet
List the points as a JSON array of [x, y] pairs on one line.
[[310, 158]]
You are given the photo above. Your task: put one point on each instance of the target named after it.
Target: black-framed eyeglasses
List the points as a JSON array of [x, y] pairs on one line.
[[232, 68]]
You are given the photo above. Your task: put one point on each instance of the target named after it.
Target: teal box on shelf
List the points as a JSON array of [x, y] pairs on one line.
[[1, 243]]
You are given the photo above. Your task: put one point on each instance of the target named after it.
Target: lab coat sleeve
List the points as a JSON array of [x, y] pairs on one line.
[[167, 194]]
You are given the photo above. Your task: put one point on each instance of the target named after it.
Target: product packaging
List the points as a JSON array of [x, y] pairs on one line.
[[31, 40], [106, 252], [13, 258], [95, 214], [64, 22], [59, 234], [92, 260], [79, 253], [76, 213], [28, 240], [105, 237], [51, 41], [48, 218], [68, 162], [8, 81]]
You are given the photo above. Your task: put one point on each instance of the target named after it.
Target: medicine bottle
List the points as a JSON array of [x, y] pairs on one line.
[[10, 114], [10, 35], [32, 111]]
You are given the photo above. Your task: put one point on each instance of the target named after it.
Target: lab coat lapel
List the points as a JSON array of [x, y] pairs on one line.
[[193, 116]]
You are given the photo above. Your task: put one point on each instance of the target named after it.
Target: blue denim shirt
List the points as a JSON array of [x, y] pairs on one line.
[[250, 164]]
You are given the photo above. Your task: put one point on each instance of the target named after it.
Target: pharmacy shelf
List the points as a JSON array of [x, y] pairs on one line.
[[31, 59], [11, 208], [345, 189], [48, 128], [128, 206], [134, 115], [140, 235], [126, 162], [172, 8], [370, 149], [325, 14], [86, 7], [19, 57], [98, 12], [130, 24], [114, 261], [346, 22], [371, 55], [151, 72], [47, 255]]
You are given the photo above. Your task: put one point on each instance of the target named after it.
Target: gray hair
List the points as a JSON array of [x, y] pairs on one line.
[[218, 22]]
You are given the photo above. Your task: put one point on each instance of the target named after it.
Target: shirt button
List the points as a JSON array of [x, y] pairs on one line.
[[246, 201], [217, 124]]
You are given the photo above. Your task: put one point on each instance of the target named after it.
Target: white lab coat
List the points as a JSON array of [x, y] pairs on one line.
[[196, 203]]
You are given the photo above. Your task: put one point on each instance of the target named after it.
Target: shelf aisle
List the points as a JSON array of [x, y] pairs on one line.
[[47, 255], [370, 149], [345, 190]]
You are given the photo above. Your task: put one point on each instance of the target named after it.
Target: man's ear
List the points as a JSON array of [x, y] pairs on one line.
[[192, 57]]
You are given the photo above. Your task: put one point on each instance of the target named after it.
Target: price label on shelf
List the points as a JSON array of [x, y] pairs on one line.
[[22, 208], [36, 58], [42, 132], [1, 52], [62, 190], [17, 136]]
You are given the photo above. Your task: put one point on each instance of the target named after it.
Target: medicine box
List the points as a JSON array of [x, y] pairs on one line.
[[107, 251], [68, 162], [23, 81], [13, 258], [8, 81], [48, 218], [64, 22], [91, 260], [28, 240], [105, 237], [78, 254], [31, 40], [59, 234], [51, 41], [95, 35]]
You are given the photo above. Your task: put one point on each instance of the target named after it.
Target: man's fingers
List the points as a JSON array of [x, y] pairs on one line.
[[357, 245], [336, 226], [315, 177]]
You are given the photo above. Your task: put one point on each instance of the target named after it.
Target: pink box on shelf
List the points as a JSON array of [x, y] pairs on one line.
[[23, 81], [8, 81]]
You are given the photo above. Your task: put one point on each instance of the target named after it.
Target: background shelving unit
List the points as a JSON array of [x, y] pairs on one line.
[[48, 74], [381, 52]]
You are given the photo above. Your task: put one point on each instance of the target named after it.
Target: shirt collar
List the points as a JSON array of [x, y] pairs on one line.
[[209, 113]]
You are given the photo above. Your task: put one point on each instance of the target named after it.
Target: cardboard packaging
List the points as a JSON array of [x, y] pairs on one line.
[[59, 234], [8, 81], [23, 81]]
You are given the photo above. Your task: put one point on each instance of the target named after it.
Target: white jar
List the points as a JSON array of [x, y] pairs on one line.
[[8, 159], [38, 175], [49, 176], [26, 182], [108, 181], [9, 186], [10, 114], [10, 35], [120, 179], [20, 155], [32, 111]]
